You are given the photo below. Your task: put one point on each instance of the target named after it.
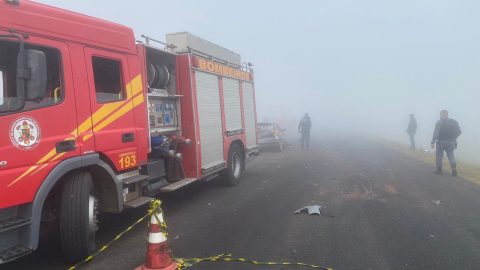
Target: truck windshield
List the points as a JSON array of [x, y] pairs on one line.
[[9, 100]]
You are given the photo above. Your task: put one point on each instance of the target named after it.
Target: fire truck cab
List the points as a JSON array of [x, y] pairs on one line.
[[92, 120]]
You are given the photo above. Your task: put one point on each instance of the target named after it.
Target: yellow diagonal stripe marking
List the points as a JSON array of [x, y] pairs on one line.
[[57, 157], [36, 171], [98, 120], [52, 152], [136, 85], [120, 112], [101, 113], [23, 175], [138, 100], [47, 156]]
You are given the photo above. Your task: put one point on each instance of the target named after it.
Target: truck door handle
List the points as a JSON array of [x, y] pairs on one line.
[[128, 137], [65, 146]]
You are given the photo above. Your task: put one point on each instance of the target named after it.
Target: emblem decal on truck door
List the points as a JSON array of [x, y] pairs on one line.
[[25, 133], [101, 118]]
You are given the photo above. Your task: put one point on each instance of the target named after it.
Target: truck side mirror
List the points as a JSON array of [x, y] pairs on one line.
[[36, 75]]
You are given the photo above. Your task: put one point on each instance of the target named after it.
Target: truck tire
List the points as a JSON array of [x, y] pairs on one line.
[[235, 167], [78, 217]]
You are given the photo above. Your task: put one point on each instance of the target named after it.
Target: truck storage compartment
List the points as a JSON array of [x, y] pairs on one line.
[[210, 119], [232, 104], [161, 71], [163, 116], [249, 111], [163, 104]]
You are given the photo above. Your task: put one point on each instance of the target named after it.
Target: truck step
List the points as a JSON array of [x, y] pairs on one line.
[[13, 223], [137, 202], [134, 179], [13, 253], [179, 184]]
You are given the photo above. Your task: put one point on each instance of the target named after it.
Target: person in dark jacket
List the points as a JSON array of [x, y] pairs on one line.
[[411, 130], [445, 137], [304, 129]]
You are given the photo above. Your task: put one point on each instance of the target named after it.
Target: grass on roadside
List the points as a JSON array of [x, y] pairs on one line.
[[465, 170]]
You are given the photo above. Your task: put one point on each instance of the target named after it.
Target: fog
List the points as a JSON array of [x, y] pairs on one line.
[[357, 67]]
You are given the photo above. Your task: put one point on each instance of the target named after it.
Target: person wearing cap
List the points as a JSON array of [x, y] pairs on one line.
[[445, 137]]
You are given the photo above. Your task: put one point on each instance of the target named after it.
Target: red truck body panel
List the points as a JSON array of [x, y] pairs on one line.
[[73, 118], [38, 19], [28, 167], [190, 129]]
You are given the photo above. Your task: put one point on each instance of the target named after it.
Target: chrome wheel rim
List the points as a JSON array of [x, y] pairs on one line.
[[92, 219], [236, 165]]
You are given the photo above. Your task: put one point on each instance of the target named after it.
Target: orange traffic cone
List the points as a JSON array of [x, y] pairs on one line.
[[158, 253]]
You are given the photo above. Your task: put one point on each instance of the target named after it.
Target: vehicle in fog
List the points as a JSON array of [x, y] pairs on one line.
[[271, 136]]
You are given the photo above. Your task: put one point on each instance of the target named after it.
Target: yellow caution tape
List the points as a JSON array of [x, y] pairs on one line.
[[154, 208], [187, 263], [184, 263]]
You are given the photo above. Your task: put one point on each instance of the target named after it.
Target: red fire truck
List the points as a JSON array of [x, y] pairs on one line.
[[92, 120]]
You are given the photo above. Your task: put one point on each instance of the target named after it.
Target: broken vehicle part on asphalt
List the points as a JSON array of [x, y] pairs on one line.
[[314, 210]]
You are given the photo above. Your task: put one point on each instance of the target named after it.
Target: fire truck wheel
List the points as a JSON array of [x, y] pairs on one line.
[[236, 165], [78, 217]]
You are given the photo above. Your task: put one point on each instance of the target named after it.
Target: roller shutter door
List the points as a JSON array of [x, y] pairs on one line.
[[231, 101], [249, 111], [210, 120]]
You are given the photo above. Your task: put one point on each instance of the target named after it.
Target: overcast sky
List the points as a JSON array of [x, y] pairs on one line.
[[359, 65]]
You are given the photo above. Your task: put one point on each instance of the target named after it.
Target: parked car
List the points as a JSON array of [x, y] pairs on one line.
[[271, 136]]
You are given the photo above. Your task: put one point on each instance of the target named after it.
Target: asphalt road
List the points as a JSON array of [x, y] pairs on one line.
[[390, 212]]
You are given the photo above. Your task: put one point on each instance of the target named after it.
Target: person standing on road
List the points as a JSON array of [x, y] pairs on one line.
[[445, 136], [304, 128], [411, 130]]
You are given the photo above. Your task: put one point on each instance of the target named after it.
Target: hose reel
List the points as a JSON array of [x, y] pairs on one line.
[[158, 76]]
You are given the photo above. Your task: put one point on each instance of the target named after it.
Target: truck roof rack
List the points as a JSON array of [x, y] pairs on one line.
[[150, 39]]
